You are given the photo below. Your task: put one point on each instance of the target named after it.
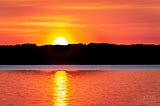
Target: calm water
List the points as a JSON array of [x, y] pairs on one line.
[[132, 87]]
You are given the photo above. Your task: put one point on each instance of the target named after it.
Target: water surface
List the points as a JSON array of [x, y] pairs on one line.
[[80, 88]]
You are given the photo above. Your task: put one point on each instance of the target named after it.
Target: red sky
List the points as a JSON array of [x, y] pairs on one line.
[[80, 21]]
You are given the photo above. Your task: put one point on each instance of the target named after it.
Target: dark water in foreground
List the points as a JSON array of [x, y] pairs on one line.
[[80, 88]]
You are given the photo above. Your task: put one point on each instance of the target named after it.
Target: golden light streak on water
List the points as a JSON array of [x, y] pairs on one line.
[[60, 94]]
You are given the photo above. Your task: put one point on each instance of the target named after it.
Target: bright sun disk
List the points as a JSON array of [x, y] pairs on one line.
[[60, 41]]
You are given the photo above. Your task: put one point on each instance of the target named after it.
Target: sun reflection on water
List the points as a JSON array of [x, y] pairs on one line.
[[60, 95]]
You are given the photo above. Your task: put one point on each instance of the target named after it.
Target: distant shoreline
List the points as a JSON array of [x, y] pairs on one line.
[[80, 67], [80, 54]]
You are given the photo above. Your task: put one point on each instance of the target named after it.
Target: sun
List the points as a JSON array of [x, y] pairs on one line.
[[60, 41]]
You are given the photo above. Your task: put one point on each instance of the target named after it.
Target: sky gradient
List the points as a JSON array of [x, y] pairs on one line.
[[79, 21]]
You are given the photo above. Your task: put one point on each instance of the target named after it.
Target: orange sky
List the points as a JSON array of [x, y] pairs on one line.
[[80, 21]]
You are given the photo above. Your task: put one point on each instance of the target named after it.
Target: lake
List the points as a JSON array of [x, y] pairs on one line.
[[79, 85]]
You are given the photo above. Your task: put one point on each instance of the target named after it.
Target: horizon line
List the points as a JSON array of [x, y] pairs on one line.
[[20, 44]]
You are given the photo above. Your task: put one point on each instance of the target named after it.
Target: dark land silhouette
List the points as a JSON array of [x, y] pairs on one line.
[[30, 54]]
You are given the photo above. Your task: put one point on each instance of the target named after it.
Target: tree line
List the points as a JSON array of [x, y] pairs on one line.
[[31, 54]]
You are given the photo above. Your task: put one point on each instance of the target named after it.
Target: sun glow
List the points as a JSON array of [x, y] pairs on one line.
[[60, 41]]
